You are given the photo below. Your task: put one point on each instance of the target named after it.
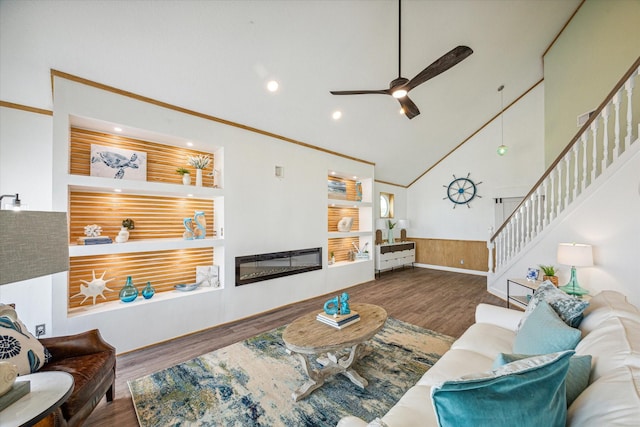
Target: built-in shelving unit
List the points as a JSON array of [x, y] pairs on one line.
[[156, 251], [349, 197]]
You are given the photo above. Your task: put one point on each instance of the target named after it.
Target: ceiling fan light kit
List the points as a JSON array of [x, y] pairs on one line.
[[399, 88]]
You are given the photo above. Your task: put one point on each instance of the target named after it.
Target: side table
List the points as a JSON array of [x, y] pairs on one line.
[[521, 300], [49, 390]]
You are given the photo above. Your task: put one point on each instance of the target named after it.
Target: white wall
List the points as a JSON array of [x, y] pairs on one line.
[[25, 168], [399, 206], [509, 175]]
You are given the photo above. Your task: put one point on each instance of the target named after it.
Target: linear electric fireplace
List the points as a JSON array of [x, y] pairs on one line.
[[255, 268]]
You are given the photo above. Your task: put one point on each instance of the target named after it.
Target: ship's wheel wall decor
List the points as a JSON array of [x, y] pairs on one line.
[[461, 191]]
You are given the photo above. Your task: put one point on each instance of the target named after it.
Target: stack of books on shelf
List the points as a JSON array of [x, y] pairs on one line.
[[98, 240], [338, 321]]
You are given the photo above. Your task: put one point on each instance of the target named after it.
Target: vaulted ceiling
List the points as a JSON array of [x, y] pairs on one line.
[[216, 57]]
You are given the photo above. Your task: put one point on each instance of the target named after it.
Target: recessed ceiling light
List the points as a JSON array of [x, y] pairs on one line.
[[333, 172], [273, 86], [336, 115], [189, 144], [355, 177], [117, 190], [117, 129], [189, 195]]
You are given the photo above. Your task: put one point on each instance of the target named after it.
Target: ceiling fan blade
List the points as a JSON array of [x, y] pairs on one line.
[[410, 109], [360, 92], [441, 65]]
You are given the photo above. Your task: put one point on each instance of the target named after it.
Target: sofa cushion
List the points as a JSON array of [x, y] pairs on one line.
[[605, 305], [414, 405], [616, 342], [18, 346], [577, 376], [544, 332], [527, 392], [612, 400], [485, 339], [455, 363], [569, 308]]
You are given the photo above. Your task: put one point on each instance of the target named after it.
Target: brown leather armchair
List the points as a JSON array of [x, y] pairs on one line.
[[92, 363]]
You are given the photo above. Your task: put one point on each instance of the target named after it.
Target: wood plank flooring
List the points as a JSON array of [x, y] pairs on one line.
[[438, 300]]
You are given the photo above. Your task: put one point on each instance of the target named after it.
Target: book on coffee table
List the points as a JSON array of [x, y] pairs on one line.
[[338, 321]]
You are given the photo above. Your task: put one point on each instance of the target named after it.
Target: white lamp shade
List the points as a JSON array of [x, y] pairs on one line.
[[575, 254], [404, 224], [381, 224]]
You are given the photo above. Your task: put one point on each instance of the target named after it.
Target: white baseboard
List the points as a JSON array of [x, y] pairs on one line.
[[455, 270]]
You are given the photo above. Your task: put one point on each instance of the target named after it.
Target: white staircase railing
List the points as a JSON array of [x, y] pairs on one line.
[[607, 134]]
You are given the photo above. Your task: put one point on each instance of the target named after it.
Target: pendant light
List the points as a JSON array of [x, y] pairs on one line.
[[502, 149]]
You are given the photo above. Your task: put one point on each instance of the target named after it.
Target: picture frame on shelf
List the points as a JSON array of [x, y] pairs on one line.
[[533, 274], [337, 189], [208, 275], [118, 163]]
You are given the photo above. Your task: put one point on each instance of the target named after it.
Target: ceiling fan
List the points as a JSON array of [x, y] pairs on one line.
[[400, 87]]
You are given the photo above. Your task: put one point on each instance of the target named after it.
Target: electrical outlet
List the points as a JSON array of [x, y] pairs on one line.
[[41, 330], [461, 262]]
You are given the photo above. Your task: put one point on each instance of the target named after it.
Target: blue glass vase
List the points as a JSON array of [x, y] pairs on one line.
[[148, 291], [129, 292]]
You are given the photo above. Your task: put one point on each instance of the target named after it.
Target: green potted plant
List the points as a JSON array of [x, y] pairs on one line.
[[549, 273], [332, 259], [123, 235], [390, 232], [186, 176]]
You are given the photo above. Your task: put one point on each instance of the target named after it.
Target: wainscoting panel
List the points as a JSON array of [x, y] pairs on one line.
[[449, 253]]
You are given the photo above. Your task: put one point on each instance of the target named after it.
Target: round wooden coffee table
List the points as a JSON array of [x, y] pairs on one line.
[[309, 340]]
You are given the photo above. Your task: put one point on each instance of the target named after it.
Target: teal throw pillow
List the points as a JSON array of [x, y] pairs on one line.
[[544, 332], [525, 393], [568, 307], [577, 376]]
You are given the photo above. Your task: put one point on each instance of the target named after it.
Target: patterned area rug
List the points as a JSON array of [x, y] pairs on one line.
[[250, 383]]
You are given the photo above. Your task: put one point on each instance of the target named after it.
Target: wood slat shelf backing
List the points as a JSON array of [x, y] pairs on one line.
[[155, 217], [164, 269], [341, 247], [337, 213], [351, 189], [162, 160]]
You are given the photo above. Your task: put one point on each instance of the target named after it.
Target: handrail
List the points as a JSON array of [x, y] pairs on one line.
[[569, 146]]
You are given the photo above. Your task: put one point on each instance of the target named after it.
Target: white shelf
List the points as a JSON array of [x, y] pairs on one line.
[[347, 203], [102, 185], [340, 264], [90, 309], [339, 234], [143, 246]]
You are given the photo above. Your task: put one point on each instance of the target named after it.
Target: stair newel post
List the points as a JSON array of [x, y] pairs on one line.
[[605, 136], [617, 98], [584, 139], [629, 88]]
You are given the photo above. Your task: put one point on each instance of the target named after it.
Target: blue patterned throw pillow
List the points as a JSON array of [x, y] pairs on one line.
[[19, 347], [568, 307]]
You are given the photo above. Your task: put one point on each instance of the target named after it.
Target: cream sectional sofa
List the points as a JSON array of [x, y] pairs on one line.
[[610, 333]]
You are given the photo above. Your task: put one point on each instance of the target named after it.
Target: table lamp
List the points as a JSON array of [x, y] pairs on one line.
[[403, 224], [575, 255]]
